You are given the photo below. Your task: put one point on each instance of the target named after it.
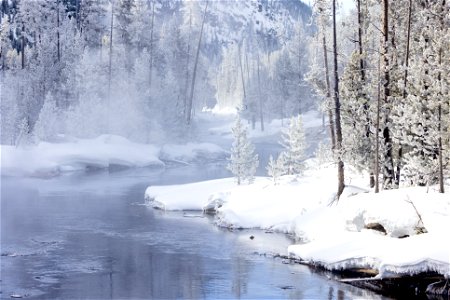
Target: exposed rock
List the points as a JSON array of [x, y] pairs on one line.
[[376, 227]]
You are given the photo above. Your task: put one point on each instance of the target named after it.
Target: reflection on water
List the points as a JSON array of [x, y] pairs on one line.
[[89, 236]]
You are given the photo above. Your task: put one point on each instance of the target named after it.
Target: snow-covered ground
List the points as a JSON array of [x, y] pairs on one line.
[[333, 236]]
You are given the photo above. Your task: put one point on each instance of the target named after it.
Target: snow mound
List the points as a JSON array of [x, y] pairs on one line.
[[384, 208], [390, 256]]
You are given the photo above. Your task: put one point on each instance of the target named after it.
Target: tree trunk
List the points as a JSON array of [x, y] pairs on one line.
[[363, 79], [377, 131], [242, 71], [441, 167], [188, 56], [328, 95], [151, 49], [110, 61], [57, 32], [337, 109], [300, 79], [261, 116], [194, 73], [388, 165], [23, 47]]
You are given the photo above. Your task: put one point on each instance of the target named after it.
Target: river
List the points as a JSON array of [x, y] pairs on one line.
[[89, 235]]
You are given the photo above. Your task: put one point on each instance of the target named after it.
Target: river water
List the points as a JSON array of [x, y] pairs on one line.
[[90, 236]]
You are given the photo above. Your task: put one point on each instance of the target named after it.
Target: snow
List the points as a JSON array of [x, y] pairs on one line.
[[329, 235], [68, 154], [310, 119], [71, 154], [192, 152], [191, 196]]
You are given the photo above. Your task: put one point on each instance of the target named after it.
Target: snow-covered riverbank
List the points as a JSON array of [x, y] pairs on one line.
[[68, 154], [412, 223]]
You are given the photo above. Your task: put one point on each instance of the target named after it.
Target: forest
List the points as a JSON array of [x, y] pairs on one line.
[[142, 69]]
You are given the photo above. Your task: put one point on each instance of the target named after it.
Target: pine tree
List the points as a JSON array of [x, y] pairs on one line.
[[274, 169], [243, 161], [293, 140], [357, 147]]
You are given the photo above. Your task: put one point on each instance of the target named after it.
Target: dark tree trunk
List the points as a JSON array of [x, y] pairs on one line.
[[58, 46], [261, 116], [441, 167], [23, 47], [363, 80], [328, 95], [388, 166], [337, 109], [377, 131]]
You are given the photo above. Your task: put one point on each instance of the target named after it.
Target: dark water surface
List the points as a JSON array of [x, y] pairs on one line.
[[90, 236]]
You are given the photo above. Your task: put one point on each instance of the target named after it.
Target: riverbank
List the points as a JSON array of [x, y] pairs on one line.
[[67, 154], [394, 234]]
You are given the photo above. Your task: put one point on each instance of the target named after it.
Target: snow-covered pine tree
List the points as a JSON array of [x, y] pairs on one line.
[[427, 108], [46, 126], [323, 154], [357, 147], [293, 140], [243, 161], [274, 169]]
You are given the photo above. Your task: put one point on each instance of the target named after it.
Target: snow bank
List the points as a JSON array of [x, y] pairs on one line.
[[352, 246], [333, 236], [71, 154], [367, 249], [268, 206], [66, 154], [191, 196]]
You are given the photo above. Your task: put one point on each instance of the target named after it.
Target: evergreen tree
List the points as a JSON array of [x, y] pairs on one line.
[[293, 140], [274, 169], [243, 161], [356, 116]]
